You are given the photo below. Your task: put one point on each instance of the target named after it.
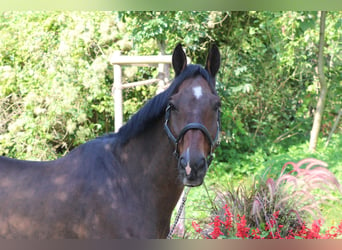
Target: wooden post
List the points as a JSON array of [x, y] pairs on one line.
[[163, 63], [161, 73], [117, 94]]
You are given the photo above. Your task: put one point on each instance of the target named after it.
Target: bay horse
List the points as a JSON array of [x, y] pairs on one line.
[[124, 184]]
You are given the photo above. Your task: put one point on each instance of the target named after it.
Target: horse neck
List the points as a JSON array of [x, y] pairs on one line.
[[152, 167]]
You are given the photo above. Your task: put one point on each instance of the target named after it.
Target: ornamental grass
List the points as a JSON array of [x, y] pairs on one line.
[[276, 208]]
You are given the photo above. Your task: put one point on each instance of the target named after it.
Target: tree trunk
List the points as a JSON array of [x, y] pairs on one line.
[[324, 88], [334, 127]]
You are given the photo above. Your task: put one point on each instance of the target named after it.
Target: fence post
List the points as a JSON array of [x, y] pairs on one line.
[[163, 62], [117, 92], [161, 76]]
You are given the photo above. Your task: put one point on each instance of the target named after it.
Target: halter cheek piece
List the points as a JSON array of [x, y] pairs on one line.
[[190, 126]]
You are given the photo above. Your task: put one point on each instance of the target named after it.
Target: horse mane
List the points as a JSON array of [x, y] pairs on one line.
[[155, 107]]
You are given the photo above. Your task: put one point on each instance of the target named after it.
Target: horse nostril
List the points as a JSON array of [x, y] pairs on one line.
[[200, 163], [183, 162]]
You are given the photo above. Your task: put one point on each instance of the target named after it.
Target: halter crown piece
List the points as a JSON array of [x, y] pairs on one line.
[[191, 126]]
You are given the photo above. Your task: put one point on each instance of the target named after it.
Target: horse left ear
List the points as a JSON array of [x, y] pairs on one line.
[[179, 59], [213, 60]]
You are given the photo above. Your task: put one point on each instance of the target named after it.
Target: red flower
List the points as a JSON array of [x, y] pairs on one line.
[[242, 229], [196, 227], [256, 233], [271, 231], [217, 228], [339, 229], [276, 214], [228, 223]]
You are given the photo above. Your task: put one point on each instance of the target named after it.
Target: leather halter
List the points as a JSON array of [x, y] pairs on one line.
[[191, 126]]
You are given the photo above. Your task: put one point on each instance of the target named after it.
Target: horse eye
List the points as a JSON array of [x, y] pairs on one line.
[[172, 106]]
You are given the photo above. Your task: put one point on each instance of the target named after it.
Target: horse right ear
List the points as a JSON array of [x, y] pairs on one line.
[[213, 60], [178, 59]]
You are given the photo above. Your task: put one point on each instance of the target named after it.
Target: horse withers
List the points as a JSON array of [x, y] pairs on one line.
[[122, 185]]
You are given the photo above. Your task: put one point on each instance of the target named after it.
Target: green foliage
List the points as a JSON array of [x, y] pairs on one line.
[[57, 85], [56, 80], [269, 82], [163, 30]]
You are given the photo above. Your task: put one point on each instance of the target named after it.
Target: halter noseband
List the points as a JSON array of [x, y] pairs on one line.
[[190, 126]]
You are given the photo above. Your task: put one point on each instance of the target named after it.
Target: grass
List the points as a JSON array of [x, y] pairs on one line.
[[201, 202]]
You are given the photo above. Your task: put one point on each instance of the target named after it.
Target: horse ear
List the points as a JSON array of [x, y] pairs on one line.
[[213, 60], [178, 59]]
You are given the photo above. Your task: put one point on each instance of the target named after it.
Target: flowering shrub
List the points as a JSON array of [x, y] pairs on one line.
[[272, 230], [276, 208]]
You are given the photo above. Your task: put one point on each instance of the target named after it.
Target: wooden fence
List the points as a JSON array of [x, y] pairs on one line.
[[163, 63], [117, 60]]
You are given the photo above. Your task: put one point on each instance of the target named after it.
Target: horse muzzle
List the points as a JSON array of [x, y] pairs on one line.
[[192, 171]]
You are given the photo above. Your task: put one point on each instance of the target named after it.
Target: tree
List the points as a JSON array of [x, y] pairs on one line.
[[323, 88], [55, 87]]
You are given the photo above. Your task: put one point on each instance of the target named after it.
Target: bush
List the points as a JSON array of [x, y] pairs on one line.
[[272, 230], [276, 208]]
